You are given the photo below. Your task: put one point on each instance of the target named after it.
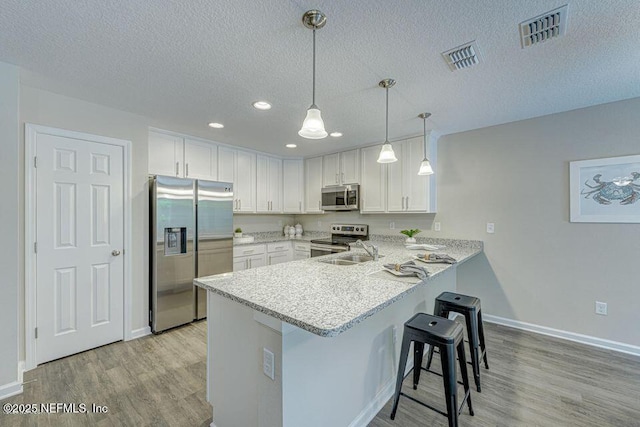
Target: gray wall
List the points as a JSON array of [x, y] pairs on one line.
[[378, 223], [9, 252], [539, 267]]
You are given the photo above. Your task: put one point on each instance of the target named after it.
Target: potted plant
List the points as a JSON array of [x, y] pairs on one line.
[[410, 234], [238, 232]]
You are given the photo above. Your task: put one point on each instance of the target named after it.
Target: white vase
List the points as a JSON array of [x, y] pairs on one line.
[[410, 240], [237, 234]]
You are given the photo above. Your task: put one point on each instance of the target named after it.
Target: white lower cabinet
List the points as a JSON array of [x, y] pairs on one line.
[[279, 252], [301, 250], [249, 256]]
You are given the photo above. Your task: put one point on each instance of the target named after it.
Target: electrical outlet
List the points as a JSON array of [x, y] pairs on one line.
[[491, 227], [436, 226], [268, 363], [601, 308], [394, 334], [280, 223], [392, 225], [319, 223]]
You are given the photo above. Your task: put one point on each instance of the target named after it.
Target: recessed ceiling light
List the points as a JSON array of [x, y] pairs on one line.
[[335, 134], [262, 105], [216, 125], [291, 145]]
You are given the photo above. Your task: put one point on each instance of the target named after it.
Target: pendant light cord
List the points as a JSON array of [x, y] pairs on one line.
[[313, 102], [386, 135], [424, 133]]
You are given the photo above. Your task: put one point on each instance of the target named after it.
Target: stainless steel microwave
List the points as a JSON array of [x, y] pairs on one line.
[[343, 198]]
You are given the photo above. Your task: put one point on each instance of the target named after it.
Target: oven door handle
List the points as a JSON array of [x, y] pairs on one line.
[[346, 202]]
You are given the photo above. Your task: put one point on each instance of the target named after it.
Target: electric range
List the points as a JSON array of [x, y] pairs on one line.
[[341, 236]]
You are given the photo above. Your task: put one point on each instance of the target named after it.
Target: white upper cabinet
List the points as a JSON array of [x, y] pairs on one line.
[[269, 184], [350, 167], [165, 154], [341, 168], [404, 190], [331, 170], [374, 182], [200, 160], [239, 167], [313, 184], [293, 186], [182, 157]]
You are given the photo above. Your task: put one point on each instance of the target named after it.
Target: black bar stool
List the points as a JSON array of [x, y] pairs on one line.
[[448, 336], [469, 307]]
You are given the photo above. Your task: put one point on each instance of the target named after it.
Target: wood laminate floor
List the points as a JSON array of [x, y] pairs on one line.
[[534, 380]]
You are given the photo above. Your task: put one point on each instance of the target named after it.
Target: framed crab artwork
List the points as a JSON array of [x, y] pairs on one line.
[[605, 190]]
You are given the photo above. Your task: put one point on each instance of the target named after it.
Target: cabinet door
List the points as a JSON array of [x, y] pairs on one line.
[[331, 170], [256, 261], [226, 164], [350, 167], [275, 185], [395, 180], [200, 160], [278, 257], [165, 154], [293, 184], [313, 185], [262, 184], [416, 187], [240, 263], [374, 181], [245, 181]]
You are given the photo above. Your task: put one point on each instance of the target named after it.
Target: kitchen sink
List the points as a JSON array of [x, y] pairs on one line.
[[357, 258], [338, 261]]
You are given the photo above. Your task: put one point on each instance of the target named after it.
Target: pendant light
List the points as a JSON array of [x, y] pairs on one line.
[[386, 153], [313, 126], [425, 166]]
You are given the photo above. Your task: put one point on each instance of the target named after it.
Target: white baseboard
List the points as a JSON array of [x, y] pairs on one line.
[[571, 336], [139, 333], [10, 389]]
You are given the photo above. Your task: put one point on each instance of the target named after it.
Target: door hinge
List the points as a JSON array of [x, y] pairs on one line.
[[36, 333], [35, 161], [150, 317], [35, 247]]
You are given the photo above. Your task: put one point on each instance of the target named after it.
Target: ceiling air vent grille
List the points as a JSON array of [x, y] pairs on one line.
[[464, 56], [544, 27]]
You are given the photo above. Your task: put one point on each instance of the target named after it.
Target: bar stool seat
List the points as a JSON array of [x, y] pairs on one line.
[[469, 307], [448, 336]]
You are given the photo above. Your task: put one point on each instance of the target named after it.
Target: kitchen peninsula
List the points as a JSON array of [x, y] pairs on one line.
[[311, 343]]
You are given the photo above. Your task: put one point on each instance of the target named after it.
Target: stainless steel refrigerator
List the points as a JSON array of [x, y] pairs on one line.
[[191, 233]]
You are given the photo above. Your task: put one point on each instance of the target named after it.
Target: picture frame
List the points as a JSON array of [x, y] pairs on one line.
[[605, 190]]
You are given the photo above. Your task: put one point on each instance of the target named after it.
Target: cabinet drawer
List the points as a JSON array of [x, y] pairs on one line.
[[278, 246], [302, 247], [248, 250]]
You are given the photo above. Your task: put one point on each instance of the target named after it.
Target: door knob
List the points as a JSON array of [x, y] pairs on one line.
[[115, 252]]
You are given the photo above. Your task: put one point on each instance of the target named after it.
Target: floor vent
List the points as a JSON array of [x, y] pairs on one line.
[[464, 56], [547, 26]]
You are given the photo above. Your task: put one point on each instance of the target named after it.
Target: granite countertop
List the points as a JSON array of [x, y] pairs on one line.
[[327, 299], [276, 236]]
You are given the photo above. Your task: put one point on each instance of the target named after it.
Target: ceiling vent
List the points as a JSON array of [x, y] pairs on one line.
[[464, 56], [547, 26]]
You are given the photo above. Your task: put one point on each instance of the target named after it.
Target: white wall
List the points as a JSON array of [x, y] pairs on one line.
[[9, 212], [538, 267]]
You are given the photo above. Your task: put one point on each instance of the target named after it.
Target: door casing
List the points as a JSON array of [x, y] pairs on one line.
[[30, 313]]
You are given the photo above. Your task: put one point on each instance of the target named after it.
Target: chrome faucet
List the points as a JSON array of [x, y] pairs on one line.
[[370, 248]]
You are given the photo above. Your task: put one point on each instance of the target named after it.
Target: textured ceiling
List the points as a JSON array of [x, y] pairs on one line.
[[186, 63]]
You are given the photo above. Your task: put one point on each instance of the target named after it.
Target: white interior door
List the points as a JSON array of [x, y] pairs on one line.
[[80, 237]]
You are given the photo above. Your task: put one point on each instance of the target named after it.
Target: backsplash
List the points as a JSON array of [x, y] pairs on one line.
[[378, 223], [262, 223]]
